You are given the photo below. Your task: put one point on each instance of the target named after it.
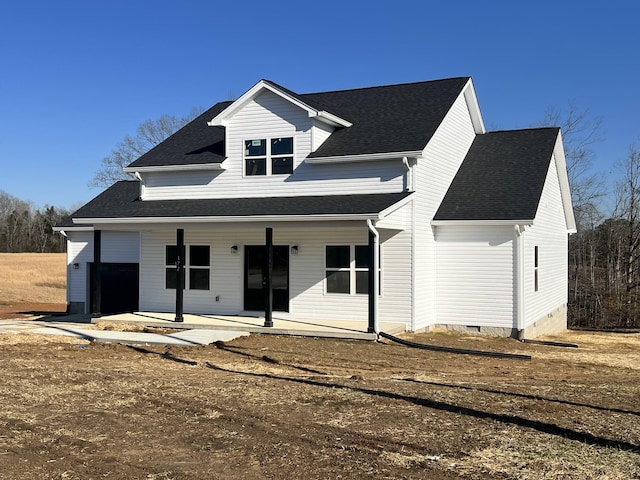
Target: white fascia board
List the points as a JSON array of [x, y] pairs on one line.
[[231, 219], [175, 168], [329, 118], [399, 204], [222, 118], [487, 223], [64, 230], [474, 108], [563, 179], [364, 157]]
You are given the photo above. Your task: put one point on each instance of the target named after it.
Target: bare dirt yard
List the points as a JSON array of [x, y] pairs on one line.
[[269, 407]]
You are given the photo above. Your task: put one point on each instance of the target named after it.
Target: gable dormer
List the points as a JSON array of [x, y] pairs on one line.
[[267, 114]]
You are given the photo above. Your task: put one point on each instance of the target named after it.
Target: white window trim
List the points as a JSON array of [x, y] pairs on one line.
[[352, 269], [188, 266], [268, 157], [536, 268]]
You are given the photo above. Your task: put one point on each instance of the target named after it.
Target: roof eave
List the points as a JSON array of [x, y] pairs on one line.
[[232, 219], [175, 168], [364, 157], [441, 223]]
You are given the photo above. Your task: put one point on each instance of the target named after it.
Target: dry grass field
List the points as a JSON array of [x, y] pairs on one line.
[[32, 282], [269, 407]]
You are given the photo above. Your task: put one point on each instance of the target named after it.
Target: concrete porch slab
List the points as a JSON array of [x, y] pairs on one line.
[[281, 326]]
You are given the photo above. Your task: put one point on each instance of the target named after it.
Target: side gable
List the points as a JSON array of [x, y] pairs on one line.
[[502, 177]]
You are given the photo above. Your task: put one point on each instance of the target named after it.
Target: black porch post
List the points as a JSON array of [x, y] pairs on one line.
[[180, 274], [372, 283], [96, 278], [268, 274]]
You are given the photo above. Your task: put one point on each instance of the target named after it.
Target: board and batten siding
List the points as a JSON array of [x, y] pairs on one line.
[[270, 116], [306, 271], [433, 174], [475, 276], [549, 234]]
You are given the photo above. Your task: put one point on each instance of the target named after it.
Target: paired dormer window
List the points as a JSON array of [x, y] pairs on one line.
[[268, 156]]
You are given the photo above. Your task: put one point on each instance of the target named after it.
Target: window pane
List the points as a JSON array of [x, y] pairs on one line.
[[362, 282], [199, 255], [255, 148], [338, 282], [170, 278], [199, 279], [281, 146], [362, 256], [171, 254], [338, 256], [281, 166], [257, 166]]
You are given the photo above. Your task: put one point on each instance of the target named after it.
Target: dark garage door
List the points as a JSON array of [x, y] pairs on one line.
[[119, 287]]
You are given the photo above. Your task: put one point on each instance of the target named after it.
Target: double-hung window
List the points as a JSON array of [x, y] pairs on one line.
[[268, 156], [197, 267], [347, 269]]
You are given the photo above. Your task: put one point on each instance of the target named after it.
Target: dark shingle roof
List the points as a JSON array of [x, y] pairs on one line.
[[502, 176], [122, 200], [391, 118], [195, 143]]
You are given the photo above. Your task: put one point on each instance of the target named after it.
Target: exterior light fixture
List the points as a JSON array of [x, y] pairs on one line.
[[234, 249], [294, 250]]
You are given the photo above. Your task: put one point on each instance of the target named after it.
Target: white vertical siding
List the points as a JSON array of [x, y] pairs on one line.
[[549, 233], [269, 116], [433, 175], [306, 271], [80, 251], [475, 276]]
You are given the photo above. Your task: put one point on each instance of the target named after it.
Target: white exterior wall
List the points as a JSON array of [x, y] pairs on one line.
[[80, 251], [120, 247], [549, 233], [306, 271], [433, 175], [475, 276], [269, 116]]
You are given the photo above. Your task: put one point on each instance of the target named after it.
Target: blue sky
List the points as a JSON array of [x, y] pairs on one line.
[[77, 76]]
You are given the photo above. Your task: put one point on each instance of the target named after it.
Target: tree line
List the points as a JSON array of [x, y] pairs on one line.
[[24, 228]]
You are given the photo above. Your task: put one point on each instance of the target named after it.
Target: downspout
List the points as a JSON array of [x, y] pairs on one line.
[[405, 162], [519, 281], [376, 276]]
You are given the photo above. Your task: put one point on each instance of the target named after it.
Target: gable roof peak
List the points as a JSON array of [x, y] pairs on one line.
[[314, 109]]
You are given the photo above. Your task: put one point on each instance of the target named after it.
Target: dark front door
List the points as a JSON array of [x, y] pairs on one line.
[[255, 278]]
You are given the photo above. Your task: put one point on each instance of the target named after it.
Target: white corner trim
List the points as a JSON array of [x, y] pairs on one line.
[[364, 157]]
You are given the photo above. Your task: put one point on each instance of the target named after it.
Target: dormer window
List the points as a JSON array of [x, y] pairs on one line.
[[272, 156]]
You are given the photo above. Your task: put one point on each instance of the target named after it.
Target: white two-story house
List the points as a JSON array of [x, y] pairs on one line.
[[385, 204]]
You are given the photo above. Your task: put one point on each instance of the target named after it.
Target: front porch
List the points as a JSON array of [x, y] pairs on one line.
[[353, 330]]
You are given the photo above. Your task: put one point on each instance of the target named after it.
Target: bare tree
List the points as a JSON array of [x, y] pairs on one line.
[[148, 134], [580, 132]]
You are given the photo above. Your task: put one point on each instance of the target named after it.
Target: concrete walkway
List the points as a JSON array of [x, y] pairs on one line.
[[81, 328]]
